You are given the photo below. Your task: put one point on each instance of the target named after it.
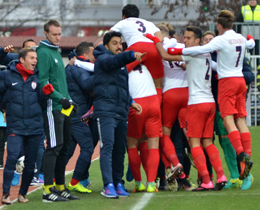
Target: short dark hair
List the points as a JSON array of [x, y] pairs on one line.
[[23, 52], [196, 30], [109, 35], [130, 10], [226, 18], [28, 40], [51, 22], [171, 33], [83, 47]]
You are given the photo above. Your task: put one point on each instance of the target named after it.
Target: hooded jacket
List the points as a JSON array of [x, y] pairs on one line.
[[80, 84], [21, 100], [111, 94]]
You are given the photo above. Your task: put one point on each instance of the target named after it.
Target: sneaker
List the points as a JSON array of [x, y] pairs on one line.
[[186, 184], [41, 178], [129, 175], [204, 187], [22, 199], [139, 187], [78, 188], [6, 199], [121, 191], [245, 164], [173, 185], [192, 184], [86, 183], [16, 179], [67, 194], [247, 182], [35, 182], [109, 191], [86, 117], [175, 172], [221, 182], [151, 188], [54, 196], [233, 183]]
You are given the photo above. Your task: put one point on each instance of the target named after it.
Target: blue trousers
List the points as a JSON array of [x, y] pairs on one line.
[[39, 158], [81, 135], [112, 135], [14, 145]]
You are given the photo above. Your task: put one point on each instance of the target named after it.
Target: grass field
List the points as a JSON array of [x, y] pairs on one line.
[[233, 199]]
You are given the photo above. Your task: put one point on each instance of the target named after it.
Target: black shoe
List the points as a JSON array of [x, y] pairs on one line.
[[67, 195], [162, 184], [246, 164], [54, 196], [186, 184]]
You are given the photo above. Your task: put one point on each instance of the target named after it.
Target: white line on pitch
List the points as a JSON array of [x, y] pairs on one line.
[[143, 201]]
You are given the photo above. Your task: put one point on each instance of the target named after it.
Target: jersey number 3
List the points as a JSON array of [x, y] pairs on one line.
[[142, 27]]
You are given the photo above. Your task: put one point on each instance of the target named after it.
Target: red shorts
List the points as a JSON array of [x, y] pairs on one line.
[[149, 122], [174, 105], [200, 120], [152, 60], [232, 97]]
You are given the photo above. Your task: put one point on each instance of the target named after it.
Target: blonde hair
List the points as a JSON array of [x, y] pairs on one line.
[[226, 18]]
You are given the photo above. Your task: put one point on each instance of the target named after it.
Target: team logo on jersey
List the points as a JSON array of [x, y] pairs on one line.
[[56, 61], [34, 85]]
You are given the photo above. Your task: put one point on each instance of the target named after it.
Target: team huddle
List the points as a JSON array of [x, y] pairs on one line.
[[131, 100]]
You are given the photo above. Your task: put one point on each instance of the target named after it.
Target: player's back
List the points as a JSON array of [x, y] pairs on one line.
[[132, 29], [231, 54], [141, 83], [199, 78], [174, 75]]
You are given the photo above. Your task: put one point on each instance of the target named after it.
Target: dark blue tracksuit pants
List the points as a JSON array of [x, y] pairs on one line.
[[81, 135], [112, 135], [14, 145]]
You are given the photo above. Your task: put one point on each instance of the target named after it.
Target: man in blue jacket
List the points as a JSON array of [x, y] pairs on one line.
[[21, 97], [79, 82], [111, 106]]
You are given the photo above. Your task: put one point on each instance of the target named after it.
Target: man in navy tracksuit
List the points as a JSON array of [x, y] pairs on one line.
[[79, 82], [21, 97], [111, 106]]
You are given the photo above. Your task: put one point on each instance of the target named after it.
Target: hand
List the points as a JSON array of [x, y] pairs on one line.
[[183, 66], [65, 103], [9, 49], [250, 37], [75, 108], [137, 107], [155, 39], [175, 51], [138, 56], [72, 61], [47, 89]]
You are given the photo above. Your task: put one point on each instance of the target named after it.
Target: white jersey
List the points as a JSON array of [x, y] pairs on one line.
[[174, 75], [199, 78], [132, 29], [141, 83], [231, 48]]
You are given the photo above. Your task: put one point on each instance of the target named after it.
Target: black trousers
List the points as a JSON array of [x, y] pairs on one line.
[[57, 128], [2, 144]]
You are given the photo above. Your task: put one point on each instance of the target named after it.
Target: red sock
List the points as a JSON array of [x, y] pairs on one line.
[[159, 94], [143, 148], [235, 140], [215, 160], [246, 142], [54, 180], [165, 161], [168, 149], [152, 164], [74, 181], [200, 163], [135, 163]]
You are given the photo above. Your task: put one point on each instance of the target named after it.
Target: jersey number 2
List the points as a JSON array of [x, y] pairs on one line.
[[207, 73]]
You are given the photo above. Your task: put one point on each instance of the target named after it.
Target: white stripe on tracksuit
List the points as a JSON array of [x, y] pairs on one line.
[[53, 141], [99, 132]]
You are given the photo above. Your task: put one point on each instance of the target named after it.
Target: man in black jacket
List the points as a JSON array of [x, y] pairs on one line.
[[111, 106]]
